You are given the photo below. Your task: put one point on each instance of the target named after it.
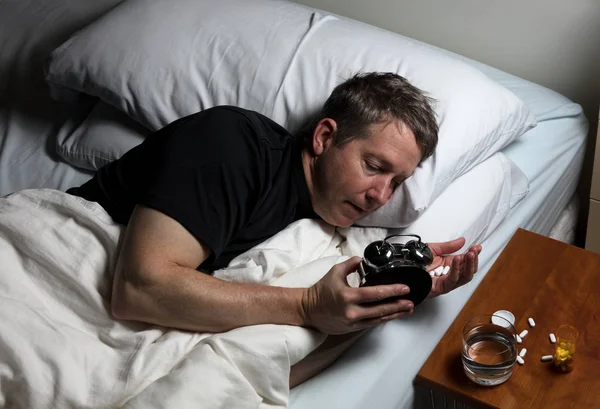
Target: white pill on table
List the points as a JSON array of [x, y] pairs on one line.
[[520, 360], [519, 340], [523, 352], [523, 333], [446, 270], [547, 358], [531, 322], [552, 338]]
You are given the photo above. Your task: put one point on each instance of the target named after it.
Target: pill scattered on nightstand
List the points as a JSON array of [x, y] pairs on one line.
[[552, 338], [520, 360], [446, 270], [547, 358], [523, 352], [519, 340], [524, 333], [531, 322]]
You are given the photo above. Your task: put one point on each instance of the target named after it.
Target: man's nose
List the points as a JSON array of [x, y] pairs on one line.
[[381, 190]]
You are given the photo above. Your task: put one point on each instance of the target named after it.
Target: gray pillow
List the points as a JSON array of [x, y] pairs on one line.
[[98, 138]]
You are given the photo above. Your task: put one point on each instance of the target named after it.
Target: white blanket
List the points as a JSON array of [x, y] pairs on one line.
[[60, 347]]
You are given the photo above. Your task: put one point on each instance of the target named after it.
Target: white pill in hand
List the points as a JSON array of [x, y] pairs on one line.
[[446, 270], [523, 352], [520, 360], [531, 322], [524, 333], [547, 358], [552, 338]]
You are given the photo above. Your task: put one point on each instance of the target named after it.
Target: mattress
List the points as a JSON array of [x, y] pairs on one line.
[[378, 371], [566, 226]]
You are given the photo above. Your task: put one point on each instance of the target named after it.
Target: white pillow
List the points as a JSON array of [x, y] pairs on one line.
[[161, 60], [472, 206], [104, 135]]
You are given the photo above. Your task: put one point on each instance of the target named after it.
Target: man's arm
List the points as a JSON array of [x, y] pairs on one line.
[[321, 358], [155, 281]]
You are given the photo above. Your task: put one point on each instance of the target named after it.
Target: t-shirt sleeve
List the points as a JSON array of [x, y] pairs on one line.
[[207, 175]]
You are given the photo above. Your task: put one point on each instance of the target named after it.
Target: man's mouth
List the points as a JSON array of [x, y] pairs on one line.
[[357, 208]]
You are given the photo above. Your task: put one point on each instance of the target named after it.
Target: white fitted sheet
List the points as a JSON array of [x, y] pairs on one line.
[[29, 118], [378, 371]]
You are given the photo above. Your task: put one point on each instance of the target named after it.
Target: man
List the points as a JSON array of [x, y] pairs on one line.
[[211, 185]]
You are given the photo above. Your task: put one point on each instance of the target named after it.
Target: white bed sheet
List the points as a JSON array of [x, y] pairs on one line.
[[29, 118], [378, 371]]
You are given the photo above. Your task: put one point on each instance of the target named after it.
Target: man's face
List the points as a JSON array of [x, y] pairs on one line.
[[353, 180]]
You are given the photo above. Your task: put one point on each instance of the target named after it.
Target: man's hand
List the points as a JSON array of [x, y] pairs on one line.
[[332, 306], [462, 266]]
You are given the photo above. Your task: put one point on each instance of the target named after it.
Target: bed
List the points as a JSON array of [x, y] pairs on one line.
[[56, 129]]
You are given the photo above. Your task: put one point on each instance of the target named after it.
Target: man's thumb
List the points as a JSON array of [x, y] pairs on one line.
[[348, 266], [449, 247]]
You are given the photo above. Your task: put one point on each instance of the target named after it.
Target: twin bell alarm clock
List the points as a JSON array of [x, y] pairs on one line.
[[391, 263]]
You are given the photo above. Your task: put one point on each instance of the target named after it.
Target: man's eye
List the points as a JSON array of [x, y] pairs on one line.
[[371, 166]]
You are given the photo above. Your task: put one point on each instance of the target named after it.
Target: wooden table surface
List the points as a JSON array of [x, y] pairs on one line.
[[552, 282]]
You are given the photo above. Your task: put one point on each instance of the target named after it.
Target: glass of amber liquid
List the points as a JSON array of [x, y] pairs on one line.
[[564, 352]]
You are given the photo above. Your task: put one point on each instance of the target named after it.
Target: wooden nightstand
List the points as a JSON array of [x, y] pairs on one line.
[[535, 276], [592, 241]]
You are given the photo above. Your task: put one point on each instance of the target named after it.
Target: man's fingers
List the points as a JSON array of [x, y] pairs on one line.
[[377, 293], [449, 282], [448, 247], [476, 249], [383, 310], [371, 322], [474, 259], [470, 268], [455, 269]]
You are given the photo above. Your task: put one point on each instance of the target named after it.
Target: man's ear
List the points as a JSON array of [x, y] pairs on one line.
[[323, 134]]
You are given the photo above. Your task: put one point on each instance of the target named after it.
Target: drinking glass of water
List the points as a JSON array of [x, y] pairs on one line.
[[489, 350]]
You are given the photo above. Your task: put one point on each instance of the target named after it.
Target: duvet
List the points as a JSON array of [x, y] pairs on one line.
[[61, 348]]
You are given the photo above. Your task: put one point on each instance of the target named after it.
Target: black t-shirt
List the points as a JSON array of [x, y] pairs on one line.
[[230, 176]]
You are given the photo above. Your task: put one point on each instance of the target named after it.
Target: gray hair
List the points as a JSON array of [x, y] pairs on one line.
[[368, 98]]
